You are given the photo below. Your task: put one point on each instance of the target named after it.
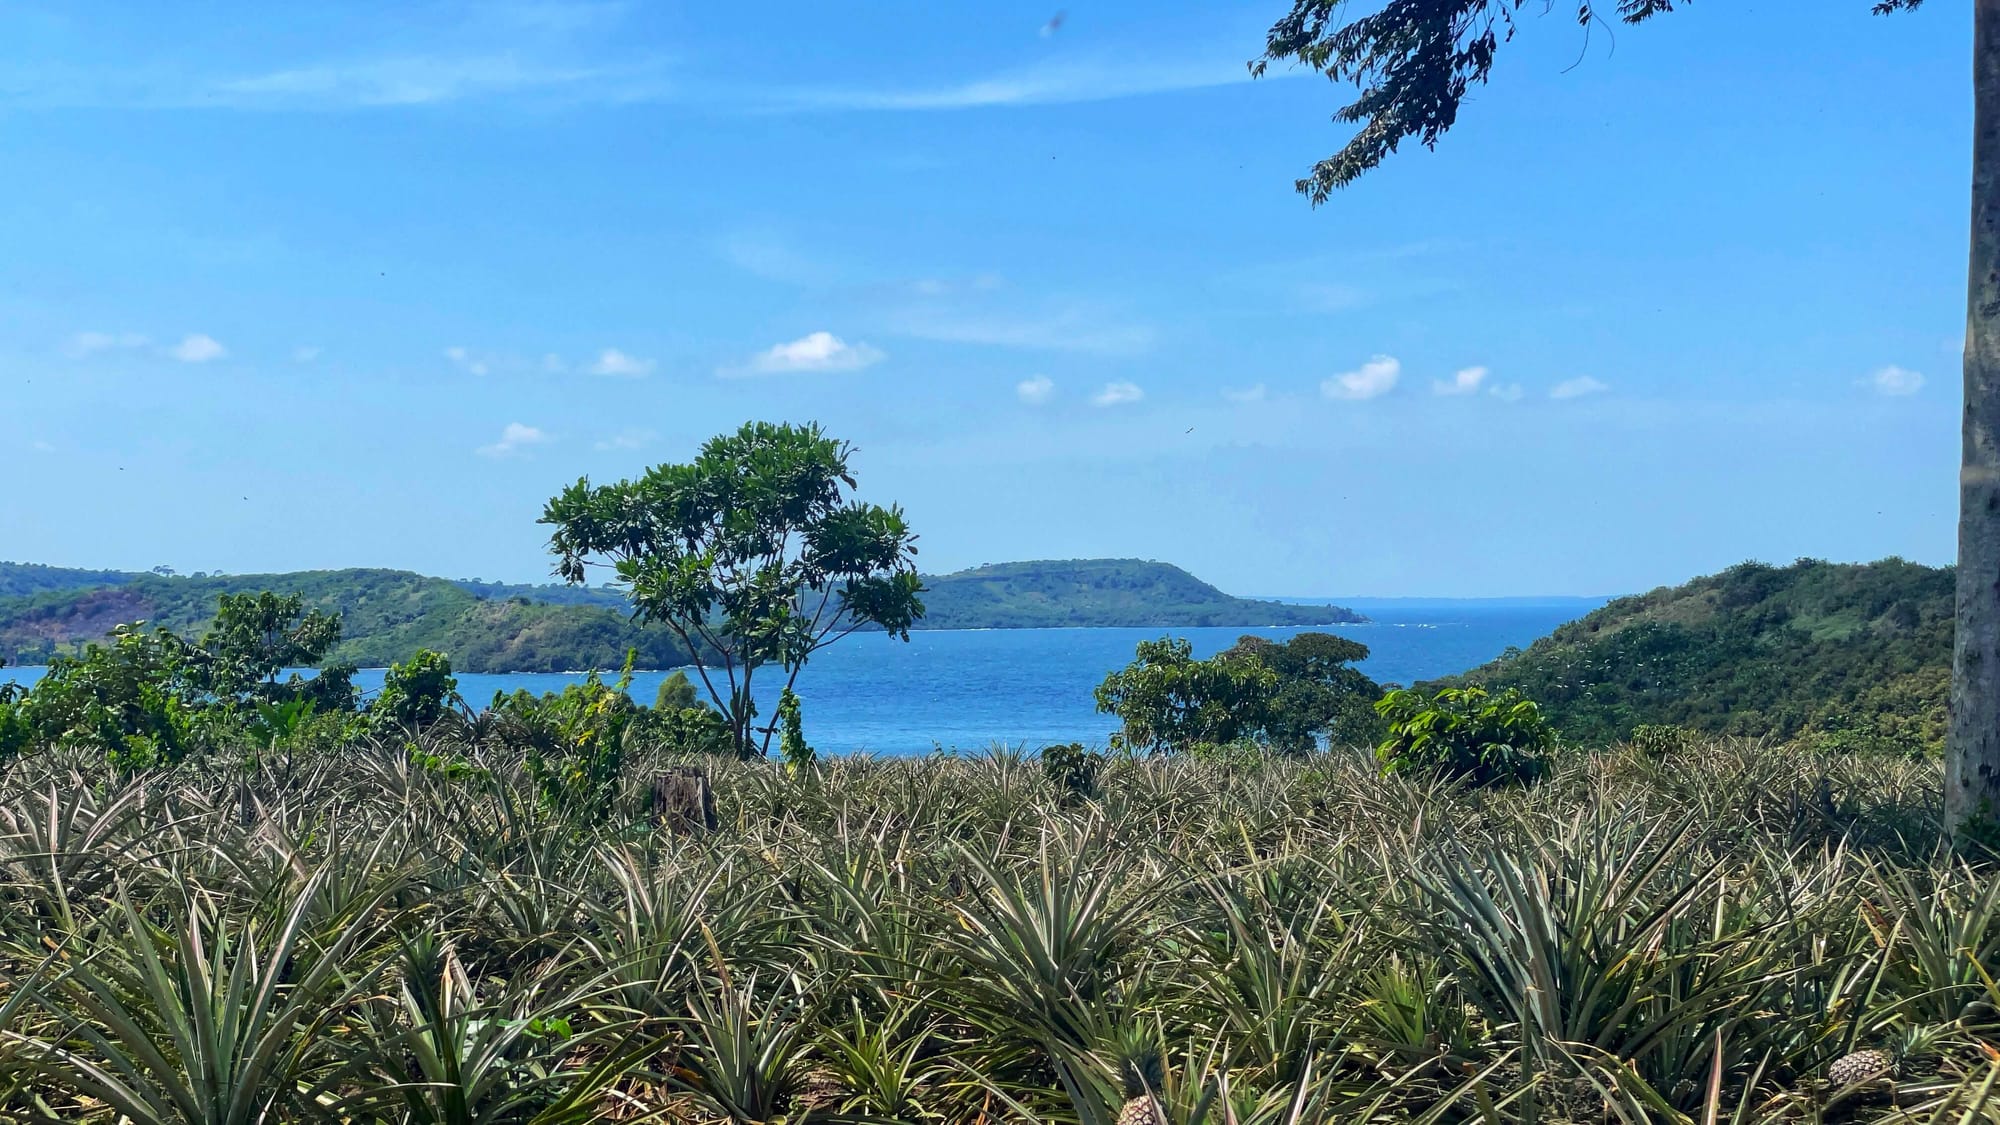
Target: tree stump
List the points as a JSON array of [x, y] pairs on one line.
[[683, 800]]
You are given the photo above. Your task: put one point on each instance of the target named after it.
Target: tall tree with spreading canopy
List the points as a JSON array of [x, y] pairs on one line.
[[1413, 62], [752, 554]]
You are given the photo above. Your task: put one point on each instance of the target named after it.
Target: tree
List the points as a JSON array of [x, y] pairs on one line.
[[676, 693], [1318, 695], [1415, 60], [417, 692], [1170, 702], [256, 636], [752, 554]]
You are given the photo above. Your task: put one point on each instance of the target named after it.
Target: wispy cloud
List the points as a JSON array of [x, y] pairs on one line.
[[1373, 379], [1035, 390], [625, 439], [613, 362], [1322, 296], [305, 353], [1244, 394], [1074, 328], [1049, 84], [1506, 392], [465, 361], [1117, 394], [1894, 381], [1578, 387], [401, 81], [92, 343], [1466, 381], [198, 347], [768, 256], [814, 352], [515, 438]]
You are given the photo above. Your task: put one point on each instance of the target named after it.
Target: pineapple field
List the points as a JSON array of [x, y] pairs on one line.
[[429, 933]]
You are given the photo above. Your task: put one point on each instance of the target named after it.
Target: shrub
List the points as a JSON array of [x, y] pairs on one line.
[[1657, 740], [676, 693], [573, 743], [792, 735], [1465, 733], [414, 693], [1072, 771]]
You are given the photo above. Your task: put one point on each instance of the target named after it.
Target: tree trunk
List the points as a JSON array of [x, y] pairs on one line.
[[683, 801], [1972, 760]]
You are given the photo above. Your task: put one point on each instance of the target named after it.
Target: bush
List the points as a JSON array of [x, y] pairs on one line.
[[676, 693], [1072, 771], [414, 693], [1465, 733], [792, 746], [573, 743], [1658, 740]]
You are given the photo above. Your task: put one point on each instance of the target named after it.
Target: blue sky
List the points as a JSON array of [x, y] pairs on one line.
[[287, 287]]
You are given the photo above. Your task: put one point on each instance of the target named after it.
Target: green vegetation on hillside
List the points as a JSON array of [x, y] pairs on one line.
[[499, 627], [18, 580], [1843, 654], [1130, 593], [385, 616]]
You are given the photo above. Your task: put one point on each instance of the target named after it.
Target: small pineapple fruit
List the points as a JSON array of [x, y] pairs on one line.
[[1860, 1066], [1144, 1075]]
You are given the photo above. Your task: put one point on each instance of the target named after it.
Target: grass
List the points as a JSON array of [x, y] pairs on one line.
[[355, 938]]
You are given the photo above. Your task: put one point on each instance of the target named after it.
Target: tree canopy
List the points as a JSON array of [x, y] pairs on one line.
[[754, 553], [1413, 62]]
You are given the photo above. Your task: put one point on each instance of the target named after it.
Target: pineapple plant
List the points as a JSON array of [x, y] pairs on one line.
[[1913, 1054], [1856, 1067], [1144, 1075]]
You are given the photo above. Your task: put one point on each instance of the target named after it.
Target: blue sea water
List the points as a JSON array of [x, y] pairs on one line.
[[969, 689]]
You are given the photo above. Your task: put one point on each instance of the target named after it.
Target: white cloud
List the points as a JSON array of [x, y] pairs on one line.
[[1072, 329], [1894, 381], [90, 343], [817, 351], [625, 439], [1088, 81], [1466, 382], [1036, 390], [1244, 394], [42, 447], [197, 348], [1578, 387], [513, 439], [466, 361], [1117, 394], [305, 353], [1506, 392], [611, 361], [1373, 379], [412, 80]]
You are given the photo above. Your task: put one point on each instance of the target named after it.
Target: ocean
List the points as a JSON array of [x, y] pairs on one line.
[[970, 689]]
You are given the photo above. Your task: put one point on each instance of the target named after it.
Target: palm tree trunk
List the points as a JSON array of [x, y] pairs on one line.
[[1972, 760]]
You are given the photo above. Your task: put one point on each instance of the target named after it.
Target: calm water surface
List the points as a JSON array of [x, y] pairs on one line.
[[969, 689]]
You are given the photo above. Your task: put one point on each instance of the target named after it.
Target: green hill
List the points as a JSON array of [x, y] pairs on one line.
[[495, 627], [19, 580], [385, 616], [1100, 592], [1856, 654]]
